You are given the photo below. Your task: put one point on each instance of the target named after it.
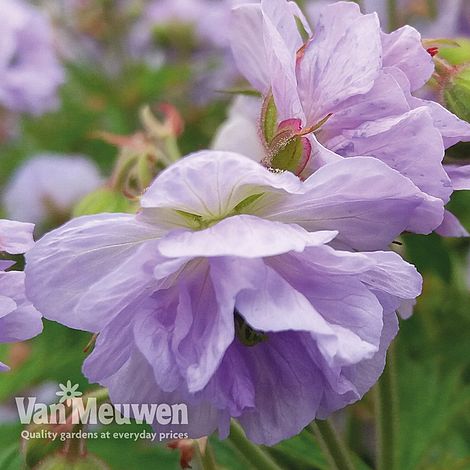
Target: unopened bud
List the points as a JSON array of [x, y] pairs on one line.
[[456, 93], [103, 200]]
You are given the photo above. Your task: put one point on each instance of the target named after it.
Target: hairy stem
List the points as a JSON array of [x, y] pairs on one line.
[[254, 454], [333, 447], [386, 406]]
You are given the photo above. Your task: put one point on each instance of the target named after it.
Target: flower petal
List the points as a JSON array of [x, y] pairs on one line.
[[243, 235], [367, 202], [451, 227], [404, 50], [342, 60], [15, 237], [211, 184], [459, 175], [408, 143], [23, 321], [83, 273]]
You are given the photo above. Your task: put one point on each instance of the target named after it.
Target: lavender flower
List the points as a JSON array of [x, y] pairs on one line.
[[30, 73], [19, 320], [228, 291], [349, 88], [46, 187]]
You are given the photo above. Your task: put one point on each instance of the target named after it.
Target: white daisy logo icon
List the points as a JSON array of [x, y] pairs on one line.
[[67, 392]]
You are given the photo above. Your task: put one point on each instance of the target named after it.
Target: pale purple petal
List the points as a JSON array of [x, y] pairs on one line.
[[403, 49], [459, 175], [451, 227], [244, 236], [342, 60], [15, 237], [248, 45], [240, 133], [94, 264], [355, 196], [23, 321], [233, 178], [409, 143]]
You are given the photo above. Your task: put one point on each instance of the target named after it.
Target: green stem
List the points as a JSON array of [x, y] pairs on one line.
[[332, 445], [171, 149], [392, 10], [254, 454], [386, 405], [204, 461]]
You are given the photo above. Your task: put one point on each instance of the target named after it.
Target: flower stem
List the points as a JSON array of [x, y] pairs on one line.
[[386, 406], [333, 447], [204, 461], [254, 454]]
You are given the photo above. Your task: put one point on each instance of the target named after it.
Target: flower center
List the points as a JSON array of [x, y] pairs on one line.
[[246, 334], [201, 222]]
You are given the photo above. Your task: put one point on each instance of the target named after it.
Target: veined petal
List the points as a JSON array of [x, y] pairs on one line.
[[403, 49], [408, 143], [386, 98], [248, 45], [211, 184], [275, 305], [452, 128], [15, 237], [367, 202], [265, 42], [282, 65], [342, 60], [83, 273], [459, 175], [245, 236], [188, 328], [286, 383]]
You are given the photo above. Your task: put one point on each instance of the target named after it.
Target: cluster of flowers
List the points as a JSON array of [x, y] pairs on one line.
[[259, 284]]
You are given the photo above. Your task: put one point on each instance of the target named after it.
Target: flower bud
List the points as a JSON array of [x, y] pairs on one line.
[[103, 200], [451, 81], [456, 93], [457, 53], [287, 148]]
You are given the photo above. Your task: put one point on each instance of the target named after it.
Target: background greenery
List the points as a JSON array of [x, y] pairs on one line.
[[433, 347]]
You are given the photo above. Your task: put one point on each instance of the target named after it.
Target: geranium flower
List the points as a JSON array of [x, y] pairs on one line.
[[47, 187], [228, 291], [30, 73], [348, 89]]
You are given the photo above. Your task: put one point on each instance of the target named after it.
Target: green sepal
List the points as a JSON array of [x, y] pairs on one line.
[[456, 53], [290, 156], [269, 119], [457, 94]]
